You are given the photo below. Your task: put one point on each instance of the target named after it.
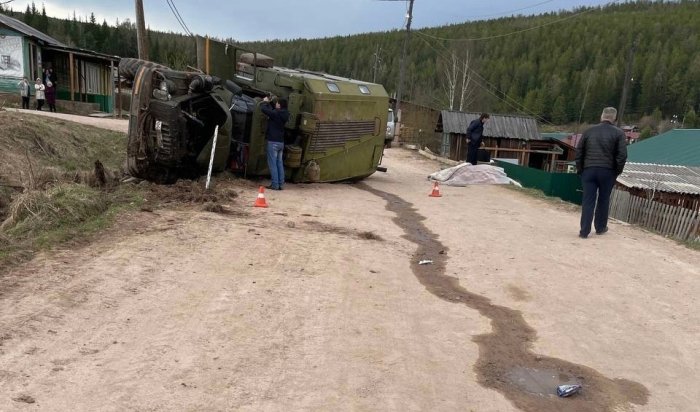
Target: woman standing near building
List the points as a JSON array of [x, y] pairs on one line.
[[51, 95], [25, 92]]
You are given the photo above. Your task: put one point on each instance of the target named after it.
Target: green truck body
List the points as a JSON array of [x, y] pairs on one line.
[[336, 130]]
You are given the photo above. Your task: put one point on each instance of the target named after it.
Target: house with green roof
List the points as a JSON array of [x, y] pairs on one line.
[[677, 147], [665, 168]]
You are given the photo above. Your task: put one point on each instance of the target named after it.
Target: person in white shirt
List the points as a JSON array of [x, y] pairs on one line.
[[25, 92]]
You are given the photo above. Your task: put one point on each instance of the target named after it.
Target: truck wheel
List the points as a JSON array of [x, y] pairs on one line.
[[129, 67]]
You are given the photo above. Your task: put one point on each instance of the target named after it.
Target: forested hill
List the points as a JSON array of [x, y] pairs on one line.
[[542, 65], [542, 71]]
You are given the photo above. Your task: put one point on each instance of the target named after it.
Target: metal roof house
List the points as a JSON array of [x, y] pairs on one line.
[[677, 147], [511, 137], [83, 76], [665, 168]]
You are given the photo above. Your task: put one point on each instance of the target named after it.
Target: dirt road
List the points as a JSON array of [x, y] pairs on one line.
[[301, 307], [118, 125]]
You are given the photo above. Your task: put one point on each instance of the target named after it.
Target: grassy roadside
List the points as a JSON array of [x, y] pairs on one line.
[[538, 194], [66, 212], [48, 191]]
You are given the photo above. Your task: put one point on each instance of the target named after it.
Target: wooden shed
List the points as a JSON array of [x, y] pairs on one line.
[[507, 137]]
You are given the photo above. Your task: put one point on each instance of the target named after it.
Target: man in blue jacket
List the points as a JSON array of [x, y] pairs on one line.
[[276, 119], [475, 133], [600, 157]]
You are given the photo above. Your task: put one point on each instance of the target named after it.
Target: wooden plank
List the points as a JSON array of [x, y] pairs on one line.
[[674, 223], [632, 211], [635, 209], [651, 208], [679, 223], [667, 218], [71, 63], [614, 204], [695, 234], [658, 216], [628, 206], [689, 223], [685, 233]]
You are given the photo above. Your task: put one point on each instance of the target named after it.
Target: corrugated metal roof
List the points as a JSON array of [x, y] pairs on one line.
[[23, 28], [662, 178], [499, 125], [676, 147]]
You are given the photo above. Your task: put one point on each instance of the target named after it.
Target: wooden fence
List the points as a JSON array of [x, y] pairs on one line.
[[673, 221]]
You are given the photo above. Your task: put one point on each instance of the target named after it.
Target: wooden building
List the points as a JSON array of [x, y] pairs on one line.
[[512, 138], [83, 76]]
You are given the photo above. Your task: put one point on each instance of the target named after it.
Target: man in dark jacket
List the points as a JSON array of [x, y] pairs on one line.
[[475, 132], [600, 157], [276, 119]]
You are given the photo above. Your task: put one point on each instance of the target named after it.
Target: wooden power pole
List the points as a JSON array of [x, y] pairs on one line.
[[626, 83], [402, 70], [141, 37]]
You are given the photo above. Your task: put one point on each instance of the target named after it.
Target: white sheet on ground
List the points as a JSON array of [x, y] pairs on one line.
[[468, 174]]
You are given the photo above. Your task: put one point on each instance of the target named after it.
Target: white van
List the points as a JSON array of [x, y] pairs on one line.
[[390, 129]]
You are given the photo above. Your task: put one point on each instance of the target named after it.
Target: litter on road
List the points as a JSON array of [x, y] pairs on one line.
[[565, 391]]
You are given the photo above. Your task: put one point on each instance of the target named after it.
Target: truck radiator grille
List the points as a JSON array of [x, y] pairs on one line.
[[329, 135]]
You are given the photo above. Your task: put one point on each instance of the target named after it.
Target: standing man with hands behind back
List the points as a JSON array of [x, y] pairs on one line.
[[600, 157], [276, 119], [475, 133]]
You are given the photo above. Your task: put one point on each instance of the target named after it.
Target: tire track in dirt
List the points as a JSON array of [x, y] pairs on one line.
[[505, 356]]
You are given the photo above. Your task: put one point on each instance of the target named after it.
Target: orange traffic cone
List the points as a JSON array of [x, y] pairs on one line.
[[436, 190], [260, 201]]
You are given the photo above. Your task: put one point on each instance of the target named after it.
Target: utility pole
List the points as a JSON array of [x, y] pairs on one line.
[[402, 71], [375, 66], [626, 84], [141, 31]]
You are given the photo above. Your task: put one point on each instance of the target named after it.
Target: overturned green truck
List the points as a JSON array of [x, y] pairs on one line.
[[336, 130]]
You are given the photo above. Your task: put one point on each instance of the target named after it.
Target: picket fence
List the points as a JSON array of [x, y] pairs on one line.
[[673, 221]]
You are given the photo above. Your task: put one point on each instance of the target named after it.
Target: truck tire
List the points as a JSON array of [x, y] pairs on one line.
[[129, 67]]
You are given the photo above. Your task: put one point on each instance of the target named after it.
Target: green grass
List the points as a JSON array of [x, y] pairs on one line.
[[538, 194], [42, 220], [46, 155]]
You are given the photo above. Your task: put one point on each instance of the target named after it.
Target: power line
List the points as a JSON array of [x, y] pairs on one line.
[[505, 99], [498, 36], [178, 17]]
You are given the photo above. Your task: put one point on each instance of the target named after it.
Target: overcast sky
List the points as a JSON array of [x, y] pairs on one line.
[[246, 20]]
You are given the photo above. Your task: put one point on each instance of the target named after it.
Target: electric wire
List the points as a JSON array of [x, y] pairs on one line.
[[178, 17], [489, 86]]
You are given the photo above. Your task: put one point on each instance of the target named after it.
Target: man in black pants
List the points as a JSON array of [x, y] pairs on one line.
[[475, 133], [600, 157]]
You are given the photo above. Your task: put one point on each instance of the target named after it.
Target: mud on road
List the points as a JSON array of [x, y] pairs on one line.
[[506, 362]]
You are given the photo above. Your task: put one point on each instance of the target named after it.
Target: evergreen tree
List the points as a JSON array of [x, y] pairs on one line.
[[690, 120]]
